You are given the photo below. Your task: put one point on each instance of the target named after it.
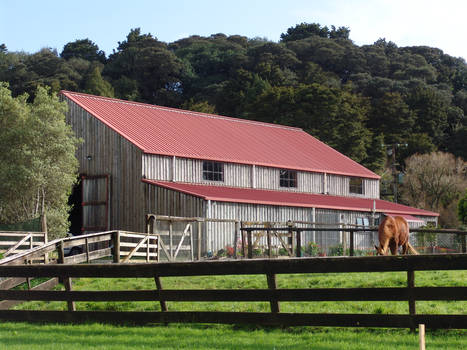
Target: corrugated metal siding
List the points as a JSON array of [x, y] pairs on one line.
[[114, 155], [340, 185], [371, 188], [219, 235], [156, 167], [307, 182]]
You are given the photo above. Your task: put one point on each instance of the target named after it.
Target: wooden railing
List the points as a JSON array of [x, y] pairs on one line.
[[268, 267], [118, 244], [122, 246], [14, 242], [295, 244]]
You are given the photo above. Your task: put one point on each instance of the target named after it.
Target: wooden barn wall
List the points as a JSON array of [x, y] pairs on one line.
[[114, 155], [162, 201], [157, 167], [222, 234], [269, 178], [218, 235]]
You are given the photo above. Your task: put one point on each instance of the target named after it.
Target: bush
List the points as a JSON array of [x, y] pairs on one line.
[[337, 250], [313, 249]]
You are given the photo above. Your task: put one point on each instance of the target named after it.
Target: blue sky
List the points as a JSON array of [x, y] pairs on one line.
[[29, 25]]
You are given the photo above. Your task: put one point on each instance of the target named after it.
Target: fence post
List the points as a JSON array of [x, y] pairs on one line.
[[268, 233], [191, 242], [352, 242], [421, 334], [116, 242], [237, 234], [272, 287], [170, 240], [87, 249], [159, 287], [200, 228], [46, 239], [66, 280], [68, 288], [61, 253], [250, 244], [244, 247], [290, 237], [299, 243], [464, 243], [410, 286]]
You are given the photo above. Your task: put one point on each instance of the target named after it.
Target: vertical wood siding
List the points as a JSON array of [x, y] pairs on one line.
[[114, 155], [156, 167], [339, 186]]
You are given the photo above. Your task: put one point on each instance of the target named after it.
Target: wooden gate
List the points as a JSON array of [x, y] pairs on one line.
[[95, 203]]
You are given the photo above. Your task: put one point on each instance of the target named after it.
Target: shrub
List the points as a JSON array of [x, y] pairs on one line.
[[313, 249]]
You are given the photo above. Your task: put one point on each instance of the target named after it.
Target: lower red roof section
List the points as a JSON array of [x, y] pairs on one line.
[[289, 199], [405, 216]]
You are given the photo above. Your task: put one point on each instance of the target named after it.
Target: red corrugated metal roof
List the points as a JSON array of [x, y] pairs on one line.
[[405, 216], [290, 199], [173, 132]]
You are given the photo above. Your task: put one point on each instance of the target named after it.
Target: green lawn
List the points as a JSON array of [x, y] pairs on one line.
[[23, 336], [96, 336]]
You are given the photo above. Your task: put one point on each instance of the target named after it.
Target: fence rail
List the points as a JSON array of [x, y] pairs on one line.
[[122, 246], [268, 267], [228, 237], [294, 237], [13, 242]]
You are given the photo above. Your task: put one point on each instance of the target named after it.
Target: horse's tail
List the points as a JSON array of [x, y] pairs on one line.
[[412, 249]]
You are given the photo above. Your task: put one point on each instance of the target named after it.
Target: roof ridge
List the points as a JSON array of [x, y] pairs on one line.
[[182, 111]]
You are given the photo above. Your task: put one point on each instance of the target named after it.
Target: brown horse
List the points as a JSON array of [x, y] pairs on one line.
[[394, 232]]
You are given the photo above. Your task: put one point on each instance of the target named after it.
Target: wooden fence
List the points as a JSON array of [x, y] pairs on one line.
[[122, 246], [272, 294], [293, 244], [189, 234], [14, 242]]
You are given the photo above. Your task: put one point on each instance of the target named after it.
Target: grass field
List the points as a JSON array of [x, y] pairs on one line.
[[95, 336]]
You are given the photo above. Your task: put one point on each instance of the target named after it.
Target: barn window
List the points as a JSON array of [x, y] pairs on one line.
[[213, 171], [288, 178], [356, 185]]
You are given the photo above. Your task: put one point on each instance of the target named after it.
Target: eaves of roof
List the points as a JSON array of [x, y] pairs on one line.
[[290, 199]]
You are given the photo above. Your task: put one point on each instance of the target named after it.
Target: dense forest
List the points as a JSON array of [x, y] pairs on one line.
[[361, 100]]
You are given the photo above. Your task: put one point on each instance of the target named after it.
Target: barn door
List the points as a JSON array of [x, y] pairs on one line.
[[95, 203]]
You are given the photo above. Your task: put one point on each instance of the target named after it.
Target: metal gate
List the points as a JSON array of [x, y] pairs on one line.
[[95, 203]]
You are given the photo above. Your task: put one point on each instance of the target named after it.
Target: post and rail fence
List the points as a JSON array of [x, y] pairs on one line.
[[294, 244], [120, 246], [241, 239], [270, 268]]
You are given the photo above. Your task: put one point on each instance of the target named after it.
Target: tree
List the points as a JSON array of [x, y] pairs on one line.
[[462, 209], [434, 181], [334, 116], [84, 49], [96, 85], [306, 30], [143, 62], [38, 159], [391, 117]]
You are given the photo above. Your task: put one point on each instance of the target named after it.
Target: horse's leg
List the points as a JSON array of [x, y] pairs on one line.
[[405, 248], [385, 247], [393, 247]]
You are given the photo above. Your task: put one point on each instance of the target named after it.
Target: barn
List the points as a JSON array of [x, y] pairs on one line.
[[137, 159]]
